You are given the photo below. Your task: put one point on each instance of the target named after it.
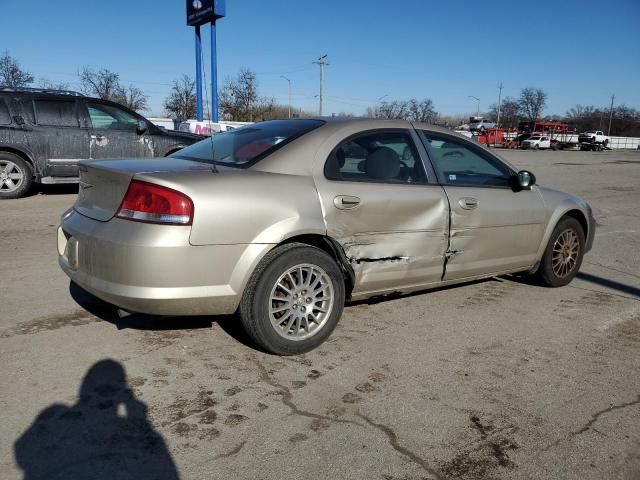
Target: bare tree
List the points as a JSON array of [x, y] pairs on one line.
[[131, 97], [413, 110], [103, 84], [580, 111], [532, 102], [239, 98], [50, 85], [509, 112], [181, 102], [422, 111], [11, 75]]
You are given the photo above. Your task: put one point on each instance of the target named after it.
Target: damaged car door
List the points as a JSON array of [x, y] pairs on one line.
[[494, 229], [116, 133], [58, 136], [389, 216]]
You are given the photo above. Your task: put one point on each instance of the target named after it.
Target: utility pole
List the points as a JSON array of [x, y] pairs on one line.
[[282, 76], [322, 62], [250, 94], [611, 114], [499, 104]]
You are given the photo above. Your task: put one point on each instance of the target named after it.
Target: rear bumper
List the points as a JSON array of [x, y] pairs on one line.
[[152, 268]]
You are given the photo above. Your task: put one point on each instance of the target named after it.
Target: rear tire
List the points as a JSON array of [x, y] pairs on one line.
[[293, 300], [563, 256], [16, 176]]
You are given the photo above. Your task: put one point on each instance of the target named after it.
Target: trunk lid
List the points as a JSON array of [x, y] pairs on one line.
[[103, 183]]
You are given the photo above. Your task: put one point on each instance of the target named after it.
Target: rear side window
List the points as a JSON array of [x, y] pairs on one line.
[[56, 113], [376, 156], [5, 117], [23, 108], [247, 145]]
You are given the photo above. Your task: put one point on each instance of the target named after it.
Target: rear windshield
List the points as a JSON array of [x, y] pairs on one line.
[[242, 147]]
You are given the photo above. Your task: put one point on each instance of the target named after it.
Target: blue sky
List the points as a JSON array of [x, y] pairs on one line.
[[443, 50]]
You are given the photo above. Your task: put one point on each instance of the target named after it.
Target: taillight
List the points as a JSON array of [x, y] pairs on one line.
[[147, 202]]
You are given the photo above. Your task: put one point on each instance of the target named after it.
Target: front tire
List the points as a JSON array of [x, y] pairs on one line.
[[293, 300], [16, 176], [563, 256]]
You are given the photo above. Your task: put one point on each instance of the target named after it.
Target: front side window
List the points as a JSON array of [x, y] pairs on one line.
[[242, 147], [460, 163], [386, 156], [110, 117], [56, 113]]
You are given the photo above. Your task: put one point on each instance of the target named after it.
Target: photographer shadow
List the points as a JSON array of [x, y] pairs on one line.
[[105, 435]]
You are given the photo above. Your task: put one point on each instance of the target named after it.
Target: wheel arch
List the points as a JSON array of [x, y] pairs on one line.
[[26, 156], [334, 249], [580, 217], [571, 212], [255, 253]]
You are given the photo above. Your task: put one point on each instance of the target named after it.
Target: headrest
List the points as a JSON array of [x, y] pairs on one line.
[[340, 157], [383, 163]]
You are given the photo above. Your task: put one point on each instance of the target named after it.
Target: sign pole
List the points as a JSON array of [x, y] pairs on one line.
[[214, 74], [199, 115]]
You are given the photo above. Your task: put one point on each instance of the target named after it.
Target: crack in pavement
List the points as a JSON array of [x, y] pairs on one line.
[[287, 397], [393, 441], [594, 418], [389, 433]]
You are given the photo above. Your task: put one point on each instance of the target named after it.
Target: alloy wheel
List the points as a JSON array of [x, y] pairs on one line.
[[301, 302], [11, 176], [565, 253]]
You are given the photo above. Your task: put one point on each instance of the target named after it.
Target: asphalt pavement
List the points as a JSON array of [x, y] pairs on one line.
[[497, 379]]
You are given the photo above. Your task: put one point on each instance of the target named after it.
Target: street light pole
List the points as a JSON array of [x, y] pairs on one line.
[[478, 105], [282, 76], [499, 104]]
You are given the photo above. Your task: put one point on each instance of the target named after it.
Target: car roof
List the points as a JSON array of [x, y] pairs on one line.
[[372, 123], [42, 92], [326, 136]]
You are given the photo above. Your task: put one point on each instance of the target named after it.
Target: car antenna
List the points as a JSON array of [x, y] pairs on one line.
[[214, 169]]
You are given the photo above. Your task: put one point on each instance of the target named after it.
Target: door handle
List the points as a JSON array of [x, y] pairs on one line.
[[468, 203], [346, 202]]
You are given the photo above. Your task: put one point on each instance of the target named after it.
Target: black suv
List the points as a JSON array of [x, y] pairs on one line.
[[44, 133]]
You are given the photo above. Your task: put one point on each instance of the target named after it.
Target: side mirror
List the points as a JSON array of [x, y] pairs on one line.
[[523, 180], [142, 127]]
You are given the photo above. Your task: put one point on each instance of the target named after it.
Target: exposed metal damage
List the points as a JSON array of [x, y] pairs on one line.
[[358, 261]]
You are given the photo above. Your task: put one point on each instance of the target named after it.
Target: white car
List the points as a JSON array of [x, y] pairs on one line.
[[536, 142], [483, 124]]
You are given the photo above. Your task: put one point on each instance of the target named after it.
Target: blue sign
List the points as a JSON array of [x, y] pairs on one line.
[[204, 11]]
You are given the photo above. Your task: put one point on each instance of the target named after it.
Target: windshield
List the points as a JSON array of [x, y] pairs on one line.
[[534, 138], [242, 147]]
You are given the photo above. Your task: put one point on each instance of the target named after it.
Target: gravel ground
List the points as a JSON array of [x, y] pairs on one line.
[[496, 379]]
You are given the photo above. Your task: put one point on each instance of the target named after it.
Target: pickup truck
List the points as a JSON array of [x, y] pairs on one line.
[[593, 140], [536, 142]]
